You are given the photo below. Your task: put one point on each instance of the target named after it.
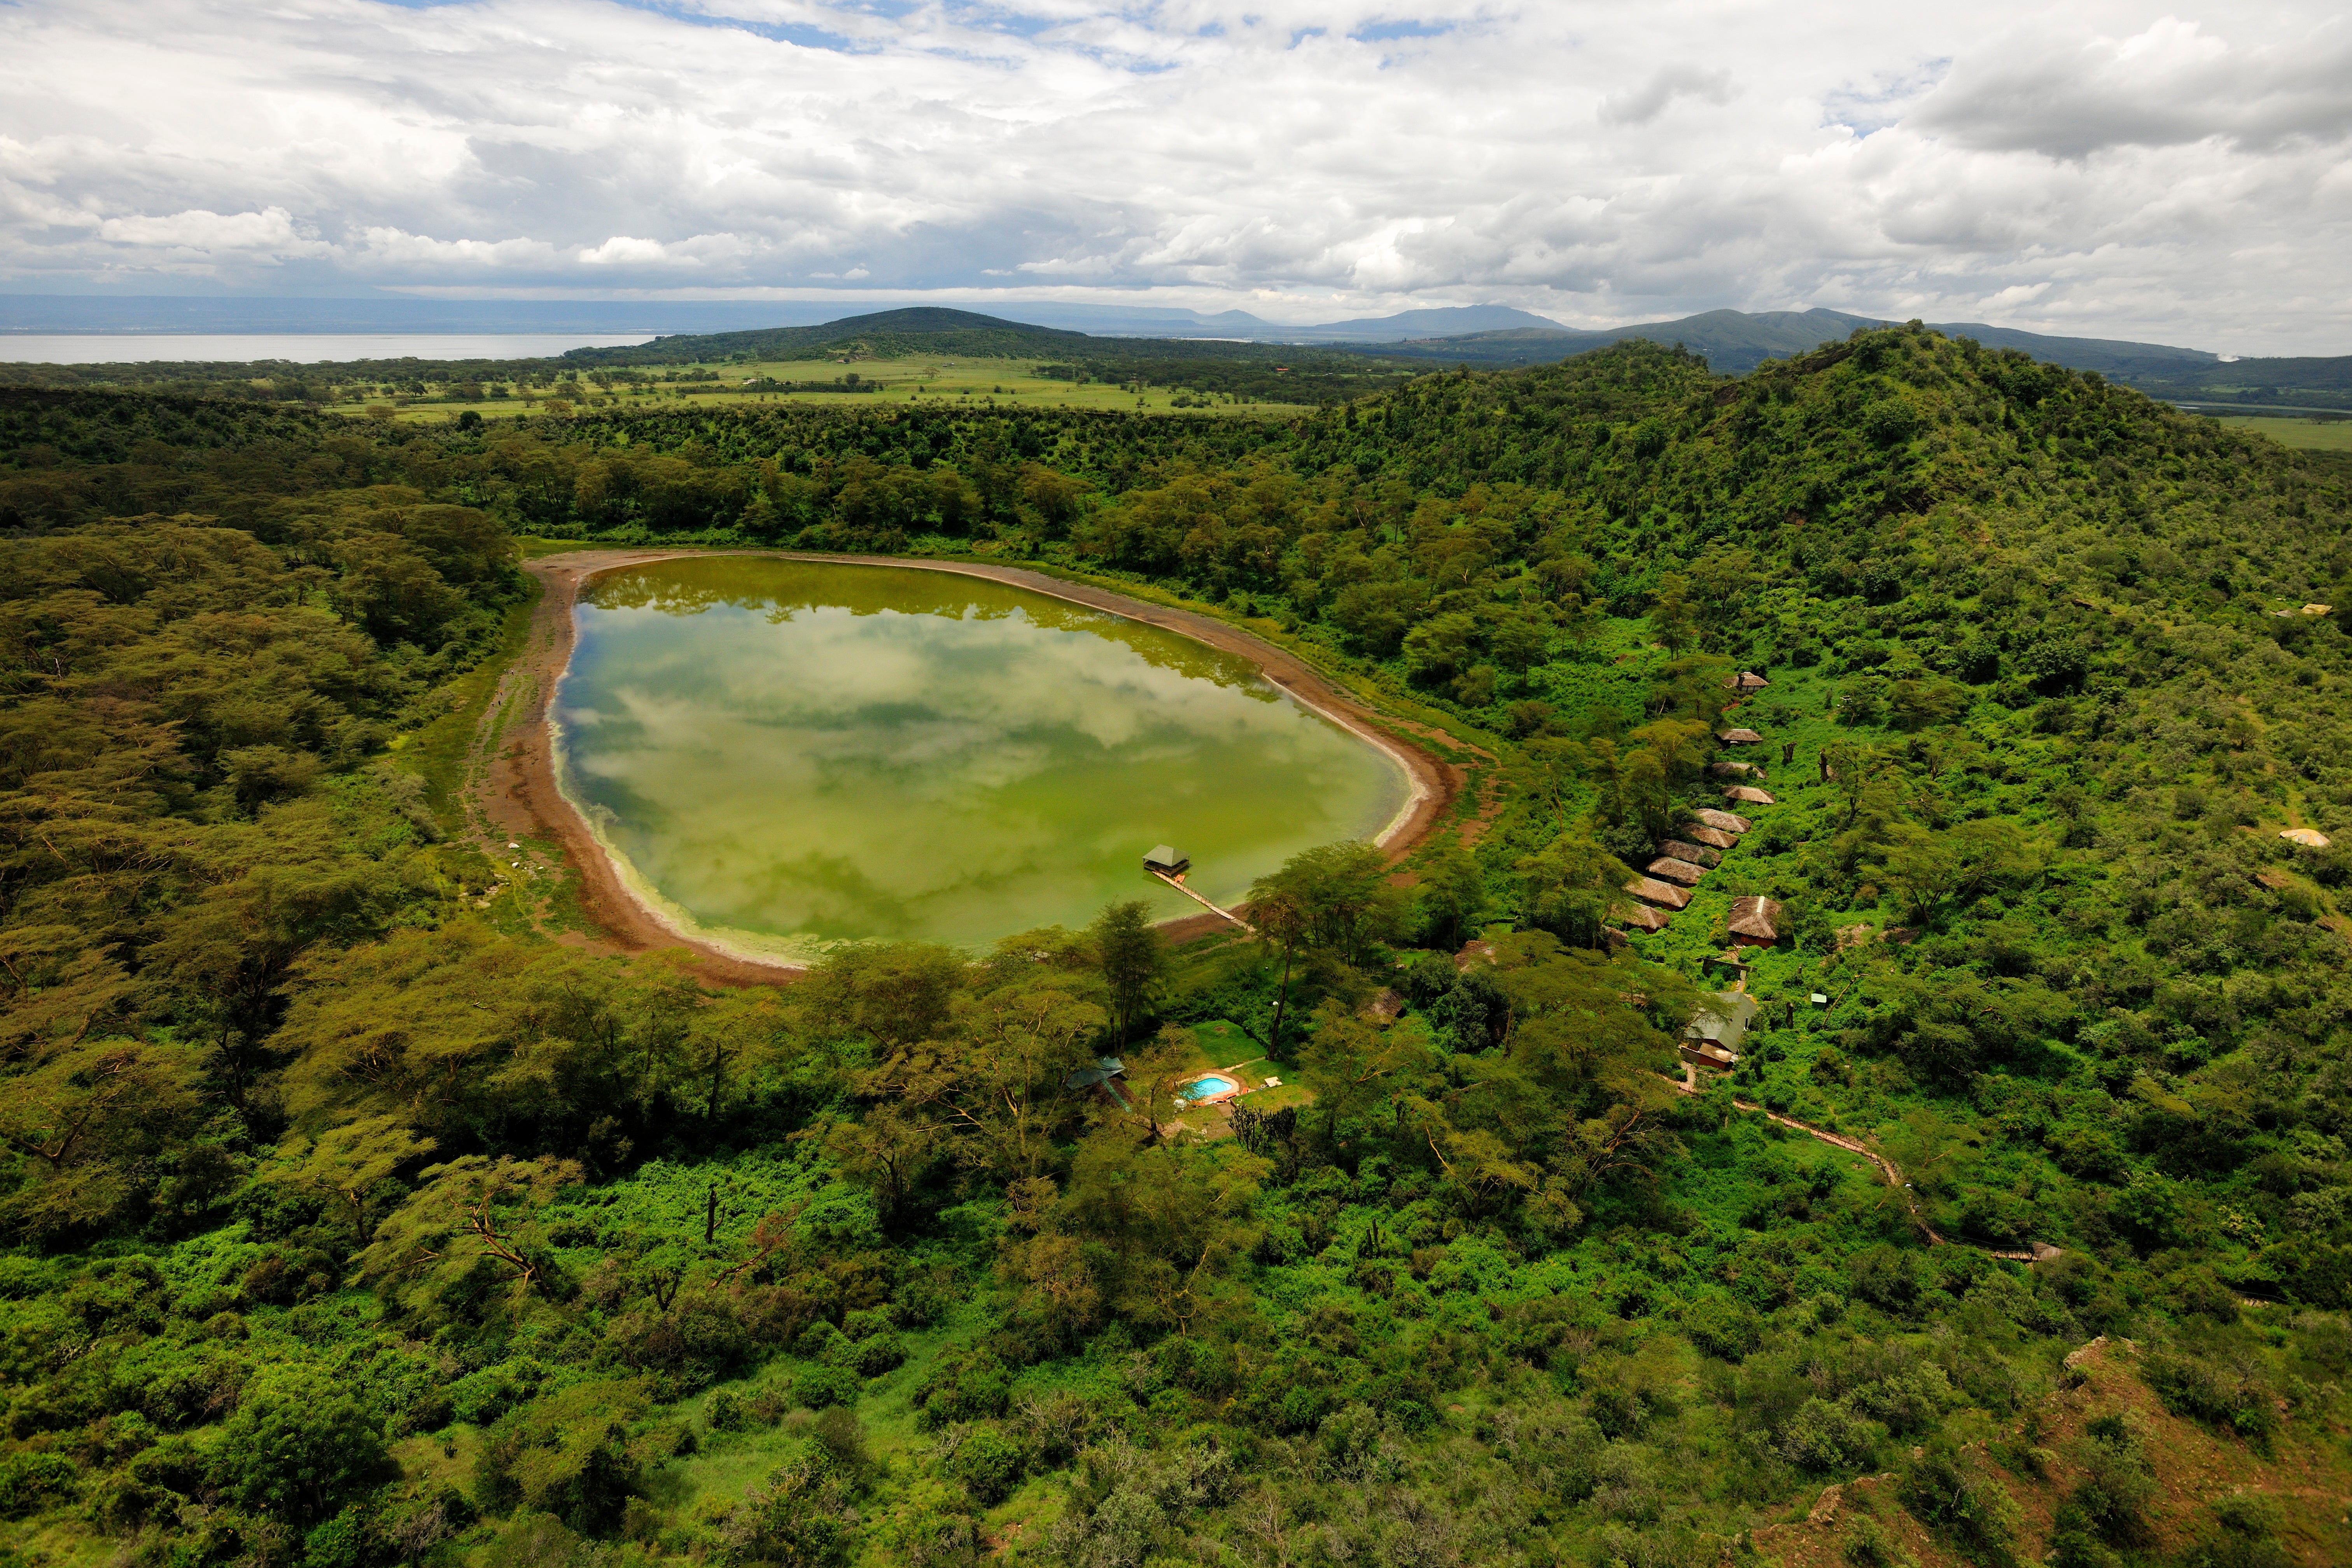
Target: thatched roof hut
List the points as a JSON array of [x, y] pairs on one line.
[[1748, 794], [1666, 868], [1733, 770], [1746, 680], [1666, 895], [1754, 921], [1699, 833], [1640, 917], [1697, 853], [1739, 737], [1723, 821]]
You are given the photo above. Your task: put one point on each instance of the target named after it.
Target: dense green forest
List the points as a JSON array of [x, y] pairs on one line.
[[354, 1219]]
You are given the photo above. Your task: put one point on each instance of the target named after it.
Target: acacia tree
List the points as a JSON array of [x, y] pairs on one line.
[[472, 1208], [1132, 962]]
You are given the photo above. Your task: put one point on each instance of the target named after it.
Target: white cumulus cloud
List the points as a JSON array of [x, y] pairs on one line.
[[2121, 169]]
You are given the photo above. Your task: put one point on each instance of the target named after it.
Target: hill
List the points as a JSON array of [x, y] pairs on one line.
[[1736, 342], [359, 1211], [883, 334]]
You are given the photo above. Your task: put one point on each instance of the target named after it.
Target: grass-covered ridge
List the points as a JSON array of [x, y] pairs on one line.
[[352, 1220]]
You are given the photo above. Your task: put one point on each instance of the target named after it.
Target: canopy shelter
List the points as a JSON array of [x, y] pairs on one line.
[[1164, 860]]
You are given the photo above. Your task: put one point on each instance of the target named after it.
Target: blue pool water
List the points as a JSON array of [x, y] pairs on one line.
[[1203, 1088]]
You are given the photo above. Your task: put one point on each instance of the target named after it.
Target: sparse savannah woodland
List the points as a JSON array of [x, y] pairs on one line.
[[359, 1213]]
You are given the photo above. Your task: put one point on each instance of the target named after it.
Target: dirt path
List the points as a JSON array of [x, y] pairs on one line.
[[512, 793], [2037, 1253]]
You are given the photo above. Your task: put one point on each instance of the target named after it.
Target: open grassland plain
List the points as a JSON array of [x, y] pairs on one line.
[[860, 382], [2315, 435], [371, 1197]]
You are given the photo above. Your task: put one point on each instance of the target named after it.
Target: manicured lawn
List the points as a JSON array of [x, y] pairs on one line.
[[1222, 1043]]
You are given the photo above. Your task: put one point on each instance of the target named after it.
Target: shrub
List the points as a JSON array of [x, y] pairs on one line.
[[819, 1387], [1871, 1545], [1722, 1327], [1825, 1438], [297, 1447], [967, 1385], [988, 1463], [566, 1454], [873, 1357], [29, 1482], [1969, 1509], [725, 1411], [799, 1517], [2191, 1386], [2242, 1533]]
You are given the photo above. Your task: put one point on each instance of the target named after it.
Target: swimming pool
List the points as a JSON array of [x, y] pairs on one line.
[[1208, 1088]]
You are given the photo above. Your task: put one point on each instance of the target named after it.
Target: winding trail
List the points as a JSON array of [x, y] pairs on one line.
[[2038, 1252]]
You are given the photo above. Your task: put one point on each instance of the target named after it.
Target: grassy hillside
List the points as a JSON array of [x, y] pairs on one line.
[[354, 1218]]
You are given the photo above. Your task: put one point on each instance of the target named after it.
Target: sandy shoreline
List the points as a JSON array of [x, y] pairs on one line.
[[517, 792]]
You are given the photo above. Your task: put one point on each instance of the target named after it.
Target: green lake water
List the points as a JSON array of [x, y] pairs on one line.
[[784, 756]]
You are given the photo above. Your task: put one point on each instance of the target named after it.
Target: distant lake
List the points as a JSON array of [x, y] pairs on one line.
[[783, 755], [124, 348]]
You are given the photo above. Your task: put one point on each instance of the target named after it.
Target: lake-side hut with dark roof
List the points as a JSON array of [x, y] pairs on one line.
[[1164, 860]]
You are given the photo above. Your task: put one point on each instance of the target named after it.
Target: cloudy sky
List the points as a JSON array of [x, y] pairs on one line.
[[2106, 169]]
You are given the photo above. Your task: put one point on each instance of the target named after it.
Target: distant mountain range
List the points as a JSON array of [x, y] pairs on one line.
[[1488, 336]]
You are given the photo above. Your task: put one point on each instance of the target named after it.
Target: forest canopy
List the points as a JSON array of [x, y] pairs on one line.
[[358, 1213]]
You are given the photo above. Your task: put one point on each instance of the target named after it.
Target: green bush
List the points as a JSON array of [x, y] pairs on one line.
[[966, 1384], [820, 1387], [988, 1463], [2234, 1400], [1960, 1504], [1722, 1327], [29, 1482], [725, 1412], [873, 1357], [800, 1518], [1826, 1438], [2239, 1533], [297, 1447]]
